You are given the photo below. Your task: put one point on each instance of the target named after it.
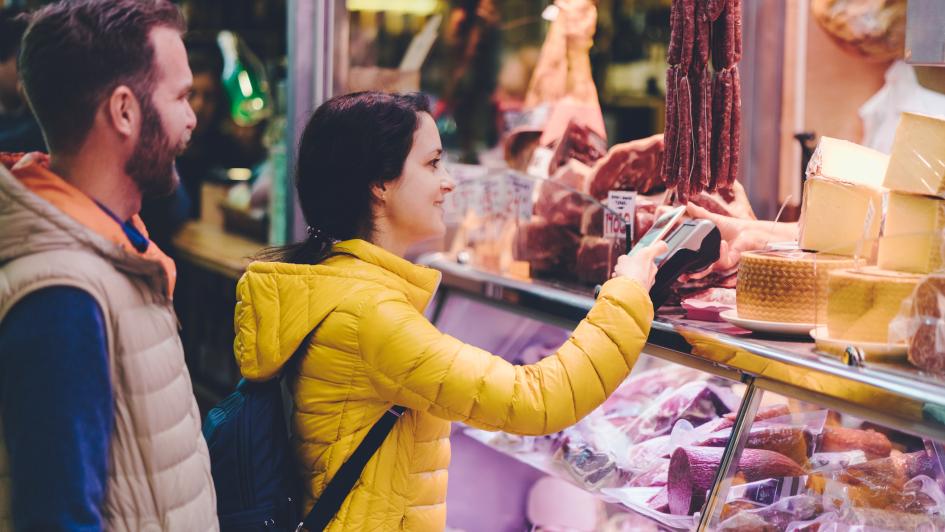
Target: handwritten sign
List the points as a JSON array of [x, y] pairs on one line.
[[523, 195], [622, 206], [468, 191], [540, 162]]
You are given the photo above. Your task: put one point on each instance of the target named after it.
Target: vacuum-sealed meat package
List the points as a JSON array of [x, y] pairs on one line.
[[696, 402]]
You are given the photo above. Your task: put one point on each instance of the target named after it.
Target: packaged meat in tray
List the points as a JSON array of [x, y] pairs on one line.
[[774, 517], [765, 492], [588, 453], [826, 462], [792, 441], [841, 439], [885, 483], [696, 402], [692, 471], [870, 520], [921, 325], [642, 388], [643, 457]]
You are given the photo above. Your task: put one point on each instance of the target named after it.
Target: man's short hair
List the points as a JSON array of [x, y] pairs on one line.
[[12, 26], [76, 52]]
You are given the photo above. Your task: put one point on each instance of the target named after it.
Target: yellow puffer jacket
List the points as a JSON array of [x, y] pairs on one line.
[[373, 348]]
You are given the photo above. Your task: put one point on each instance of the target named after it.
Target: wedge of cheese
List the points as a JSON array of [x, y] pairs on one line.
[[847, 161], [841, 218], [917, 162], [912, 238], [842, 210], [861, 303]]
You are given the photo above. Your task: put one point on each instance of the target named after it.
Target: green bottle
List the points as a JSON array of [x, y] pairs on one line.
[[244, 80]]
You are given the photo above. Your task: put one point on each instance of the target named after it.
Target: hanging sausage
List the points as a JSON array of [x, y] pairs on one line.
[[703, 106]]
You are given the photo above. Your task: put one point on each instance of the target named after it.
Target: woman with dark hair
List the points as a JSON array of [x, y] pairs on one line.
[[371, 183]]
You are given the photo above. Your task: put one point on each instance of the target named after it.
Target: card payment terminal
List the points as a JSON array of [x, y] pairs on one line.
[[693, 247]]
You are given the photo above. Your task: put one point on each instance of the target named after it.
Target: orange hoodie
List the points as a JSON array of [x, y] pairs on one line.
[[33, 171]]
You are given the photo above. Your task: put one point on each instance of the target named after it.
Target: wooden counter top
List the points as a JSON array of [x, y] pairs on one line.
[[211, 247]]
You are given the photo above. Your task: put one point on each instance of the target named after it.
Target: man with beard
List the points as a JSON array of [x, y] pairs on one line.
[[100, 426]]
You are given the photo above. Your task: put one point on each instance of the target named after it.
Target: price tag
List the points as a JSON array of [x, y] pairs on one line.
[[622, 206], [468, 192], [491, 196], [540, 163], [523, 190]]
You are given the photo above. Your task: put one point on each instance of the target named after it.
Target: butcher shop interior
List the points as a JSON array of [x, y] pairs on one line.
[[791, 155]]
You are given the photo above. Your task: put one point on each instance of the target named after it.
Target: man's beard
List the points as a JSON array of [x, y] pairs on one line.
[[151, 165]]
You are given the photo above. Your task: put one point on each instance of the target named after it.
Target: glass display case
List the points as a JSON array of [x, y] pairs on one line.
[[716, 428]]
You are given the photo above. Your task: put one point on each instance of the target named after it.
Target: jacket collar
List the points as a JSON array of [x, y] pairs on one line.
[[45, 190], [420, 282]]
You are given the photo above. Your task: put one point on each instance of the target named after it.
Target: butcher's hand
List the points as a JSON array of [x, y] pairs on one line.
[[740, 235], [641, 266]]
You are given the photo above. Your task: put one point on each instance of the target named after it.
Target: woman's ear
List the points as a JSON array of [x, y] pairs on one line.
[[379, 192]]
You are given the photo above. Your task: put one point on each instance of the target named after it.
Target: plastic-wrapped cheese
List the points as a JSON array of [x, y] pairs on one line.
[[912, 237], [862, 303], [917, 162], [842, 209], [785, 286]]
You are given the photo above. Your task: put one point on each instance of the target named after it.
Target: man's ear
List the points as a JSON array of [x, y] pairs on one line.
[[123, 111]]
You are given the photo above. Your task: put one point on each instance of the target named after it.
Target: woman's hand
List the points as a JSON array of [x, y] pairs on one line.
[[641, 266]]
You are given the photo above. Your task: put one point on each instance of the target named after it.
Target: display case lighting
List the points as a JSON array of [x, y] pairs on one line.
[[412, 7], [239, 174]]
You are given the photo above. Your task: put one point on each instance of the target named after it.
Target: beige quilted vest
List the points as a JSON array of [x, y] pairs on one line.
[[159, 468]]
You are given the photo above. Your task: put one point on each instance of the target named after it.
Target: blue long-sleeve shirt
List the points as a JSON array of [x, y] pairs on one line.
[[56, 403]]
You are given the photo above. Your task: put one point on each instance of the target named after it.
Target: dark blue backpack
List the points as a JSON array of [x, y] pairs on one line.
[[251, 460], [253, 467]]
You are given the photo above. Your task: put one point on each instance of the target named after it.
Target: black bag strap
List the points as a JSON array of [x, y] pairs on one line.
[[341, 484]]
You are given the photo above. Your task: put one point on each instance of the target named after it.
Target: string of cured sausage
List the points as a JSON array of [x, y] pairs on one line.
[[703, 106]]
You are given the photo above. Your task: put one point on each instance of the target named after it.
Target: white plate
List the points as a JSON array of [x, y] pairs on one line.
[[770, 327], [782, 246], [871, 350]]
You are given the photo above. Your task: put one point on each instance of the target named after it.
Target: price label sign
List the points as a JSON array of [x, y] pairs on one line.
[[492, 196], [622, 206], [468, 192], [523, 188], [540, 162]]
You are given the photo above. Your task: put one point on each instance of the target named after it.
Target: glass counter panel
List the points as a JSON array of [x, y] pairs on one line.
[[620, 452], [806, 467]]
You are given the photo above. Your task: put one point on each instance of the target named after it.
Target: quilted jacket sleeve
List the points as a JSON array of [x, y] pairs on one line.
[[412, 364]]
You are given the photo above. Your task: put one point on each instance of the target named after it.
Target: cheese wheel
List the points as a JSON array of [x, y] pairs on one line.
[[862, 302], [785, 286]]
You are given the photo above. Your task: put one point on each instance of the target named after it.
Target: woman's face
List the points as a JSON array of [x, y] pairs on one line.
[[203, 100], [413, 203]]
